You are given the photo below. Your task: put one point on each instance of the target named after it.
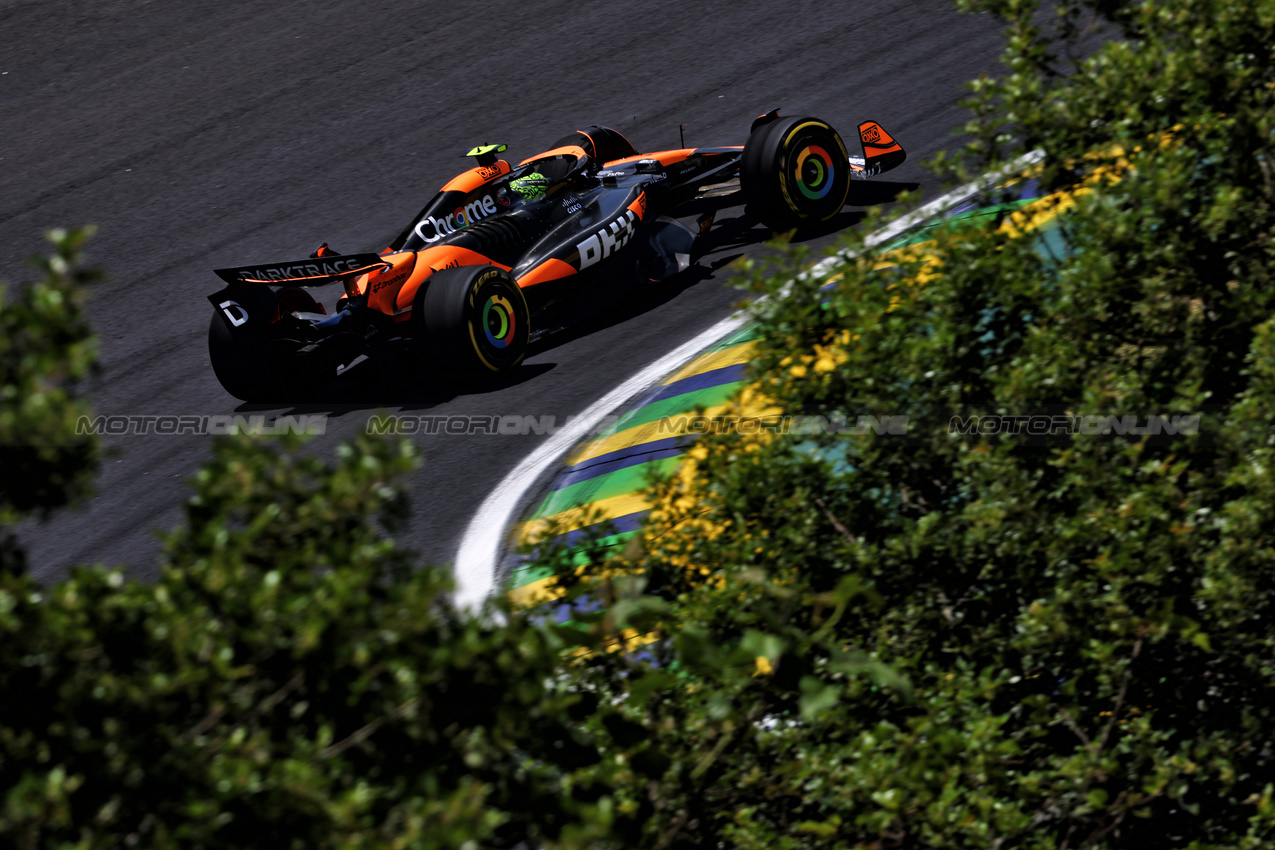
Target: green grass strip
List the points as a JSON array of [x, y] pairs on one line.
[[684, 403], [630, 479]]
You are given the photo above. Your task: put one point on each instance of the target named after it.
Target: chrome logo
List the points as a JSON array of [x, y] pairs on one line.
[[498, 321], [814, 172]]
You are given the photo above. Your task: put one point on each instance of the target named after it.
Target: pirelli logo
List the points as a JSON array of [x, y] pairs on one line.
[[608, 240]]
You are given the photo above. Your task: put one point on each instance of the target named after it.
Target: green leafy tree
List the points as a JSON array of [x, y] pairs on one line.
[[966, 640], [46, 346], [288, 681], [948, 639]]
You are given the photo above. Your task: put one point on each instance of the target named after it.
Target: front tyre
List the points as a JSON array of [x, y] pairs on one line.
[[795, 171], [472, 320]]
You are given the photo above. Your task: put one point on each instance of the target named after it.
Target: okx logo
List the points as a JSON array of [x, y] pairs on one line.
[[608, 240]]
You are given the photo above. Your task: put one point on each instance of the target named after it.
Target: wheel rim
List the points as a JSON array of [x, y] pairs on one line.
[[815, 172], [498, 321], [814, 179]]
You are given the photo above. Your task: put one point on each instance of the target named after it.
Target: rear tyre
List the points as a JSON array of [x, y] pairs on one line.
[[241, 368], [795, 171], [472, 321], [261, 366]]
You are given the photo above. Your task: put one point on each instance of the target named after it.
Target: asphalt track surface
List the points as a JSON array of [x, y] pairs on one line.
[[204, 135]]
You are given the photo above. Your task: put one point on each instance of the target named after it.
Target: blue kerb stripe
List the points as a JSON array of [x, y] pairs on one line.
[[703, 381], [690, 384], [643, 452], [1030, 189], [560, 612], [619, 525], [622, 459], [656, 449]]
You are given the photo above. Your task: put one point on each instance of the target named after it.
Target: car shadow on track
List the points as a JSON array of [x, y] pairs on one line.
[[402, 386], [871, 193], [862, 194], [641, 299]]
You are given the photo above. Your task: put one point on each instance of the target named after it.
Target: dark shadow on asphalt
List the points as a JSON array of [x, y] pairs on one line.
[[841, 221], [870, 193], [642, 298], [367, 386]]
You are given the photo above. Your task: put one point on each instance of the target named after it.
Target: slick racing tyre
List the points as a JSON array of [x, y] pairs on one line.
[[795, 171], [258, 366], [471, 321], [240, 367]]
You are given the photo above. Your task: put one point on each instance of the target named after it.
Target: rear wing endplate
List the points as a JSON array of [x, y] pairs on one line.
[[314, 271]]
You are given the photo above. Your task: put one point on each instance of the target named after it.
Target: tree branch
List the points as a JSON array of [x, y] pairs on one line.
[[845, 532], [361, 735], [1124, 687], [1080, 733], [261, 708]]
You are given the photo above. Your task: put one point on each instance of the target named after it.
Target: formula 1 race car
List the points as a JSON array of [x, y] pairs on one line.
[[501, 247]]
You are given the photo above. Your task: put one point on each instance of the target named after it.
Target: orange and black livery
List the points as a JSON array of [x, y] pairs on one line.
[[504, 251]]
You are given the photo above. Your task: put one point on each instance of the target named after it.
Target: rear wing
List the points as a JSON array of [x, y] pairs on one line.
[[880, 152], [314, 271]]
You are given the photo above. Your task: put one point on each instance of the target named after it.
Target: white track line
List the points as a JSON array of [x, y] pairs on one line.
[[479, 552], [480, 548]]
